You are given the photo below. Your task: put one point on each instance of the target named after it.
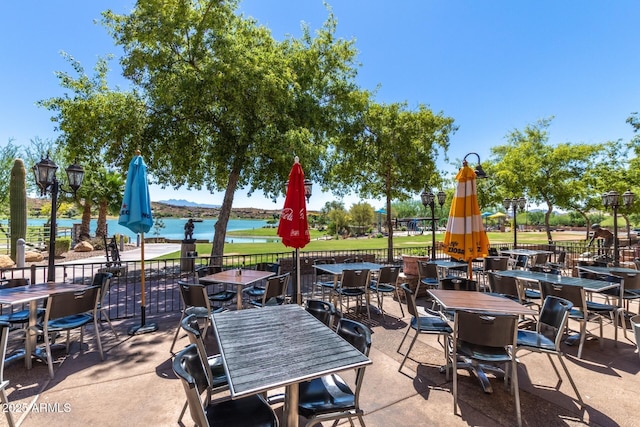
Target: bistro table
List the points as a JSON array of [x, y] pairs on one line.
[[279, 346], [32, 294], [589, 285], [608, 271], [337, 268], [231, 277], [478, 301]]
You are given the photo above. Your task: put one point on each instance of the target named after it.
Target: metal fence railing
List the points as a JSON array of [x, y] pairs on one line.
[[161, 276]]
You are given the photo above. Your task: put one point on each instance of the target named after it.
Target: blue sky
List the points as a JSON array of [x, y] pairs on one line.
[[493, 66]]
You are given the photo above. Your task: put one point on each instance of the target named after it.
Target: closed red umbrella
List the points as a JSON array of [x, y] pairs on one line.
[[293, 227]]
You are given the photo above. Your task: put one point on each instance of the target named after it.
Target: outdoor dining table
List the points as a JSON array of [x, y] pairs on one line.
[[478, 301], [239, 278], [279, 346], [31, 294], [527, 252], [609, 271], [589, 285], [337, 268]]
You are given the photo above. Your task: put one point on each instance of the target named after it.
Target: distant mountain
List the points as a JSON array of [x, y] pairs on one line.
[[182, 202]]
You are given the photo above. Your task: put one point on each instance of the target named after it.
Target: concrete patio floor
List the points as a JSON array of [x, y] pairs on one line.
[[135, 384]]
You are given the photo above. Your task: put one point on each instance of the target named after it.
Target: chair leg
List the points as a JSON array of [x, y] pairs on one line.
[[47, 346], [175, 337], [5, 403], [575, 389], [103, 311], [514, 380], [97, 332], [413, 341]]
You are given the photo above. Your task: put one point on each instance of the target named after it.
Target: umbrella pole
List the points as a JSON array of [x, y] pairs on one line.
[[143, 328], [298, 295]]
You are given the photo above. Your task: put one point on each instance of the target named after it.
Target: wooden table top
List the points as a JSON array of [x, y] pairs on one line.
[[233, 278], [271, 347], [23, 294], [473, 300]]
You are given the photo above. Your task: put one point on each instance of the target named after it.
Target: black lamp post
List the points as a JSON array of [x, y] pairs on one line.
[[480, 173], [515, 203], [612, 200], [45, 174], [429, 199]]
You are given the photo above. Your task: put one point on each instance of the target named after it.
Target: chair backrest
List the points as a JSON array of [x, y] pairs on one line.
[[206, 270], [15, 282], [574, 294], [562, 256], [505, 285], [193, 294], [356, 334], [72, 302], [273, 267], [352, 260], [411, 300], [540, 258], [545, 269], [318, 273], [493, 252], [192, 328], [458, 284], [321, 310], [276, 288], [354, 278], [103, 280], [486, 329], [496, 263], [554, 314], [190, 369], [630, 281], [389, 274], [427, 269], [522, 261]]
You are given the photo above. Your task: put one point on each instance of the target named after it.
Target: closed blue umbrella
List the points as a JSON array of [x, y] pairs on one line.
[[135, 214]]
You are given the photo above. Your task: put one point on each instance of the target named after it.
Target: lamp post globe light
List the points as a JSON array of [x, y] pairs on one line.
[[515, 203], [46, 180], [429, 199], [611, 199]]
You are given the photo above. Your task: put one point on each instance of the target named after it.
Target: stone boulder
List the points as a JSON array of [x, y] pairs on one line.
[[6, 261], [33, 256], [83, 247]]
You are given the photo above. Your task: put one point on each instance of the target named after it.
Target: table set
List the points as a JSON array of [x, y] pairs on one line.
[[280, 346], [31, 294], [238, 277]]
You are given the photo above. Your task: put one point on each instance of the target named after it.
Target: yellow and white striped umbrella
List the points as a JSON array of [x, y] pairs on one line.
[[465, 238]]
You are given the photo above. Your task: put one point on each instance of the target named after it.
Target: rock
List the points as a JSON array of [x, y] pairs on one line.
[[83, 247], [32, 256], [6, 261]]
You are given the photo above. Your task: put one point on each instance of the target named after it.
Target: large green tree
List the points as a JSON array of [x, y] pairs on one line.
[[394, 156], [530, 166], [229, 106]]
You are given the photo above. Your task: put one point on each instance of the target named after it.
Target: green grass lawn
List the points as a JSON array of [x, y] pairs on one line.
[[362, 243]]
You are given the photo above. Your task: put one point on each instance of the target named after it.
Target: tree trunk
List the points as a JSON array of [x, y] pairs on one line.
[[390, 233], [217, 250], [101, 227], [85, 224]]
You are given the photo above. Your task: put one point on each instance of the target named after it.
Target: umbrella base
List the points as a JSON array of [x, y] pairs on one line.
[[143, 329]]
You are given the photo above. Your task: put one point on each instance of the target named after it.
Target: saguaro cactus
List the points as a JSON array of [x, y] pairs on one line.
[[17, 204]]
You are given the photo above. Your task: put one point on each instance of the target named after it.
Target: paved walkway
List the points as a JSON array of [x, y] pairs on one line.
[[151, 251]]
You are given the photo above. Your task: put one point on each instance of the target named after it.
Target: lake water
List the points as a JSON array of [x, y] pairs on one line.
[[173, 228]]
